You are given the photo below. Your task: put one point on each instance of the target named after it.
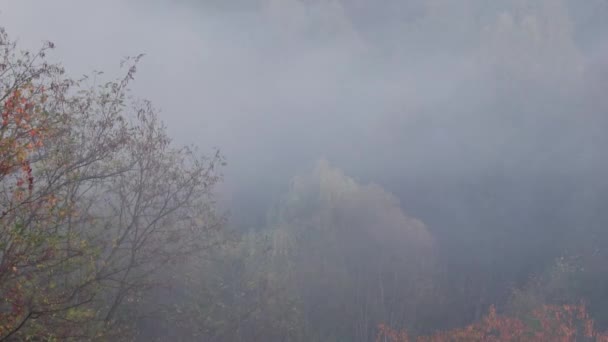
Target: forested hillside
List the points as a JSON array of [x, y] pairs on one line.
[[415, 170]]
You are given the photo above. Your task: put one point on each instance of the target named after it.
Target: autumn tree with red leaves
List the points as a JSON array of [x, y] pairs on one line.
[[95, 201], [567, 323]]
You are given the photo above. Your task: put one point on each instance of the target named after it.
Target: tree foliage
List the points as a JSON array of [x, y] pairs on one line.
[[355, 258], [565, 323], [95, 200]]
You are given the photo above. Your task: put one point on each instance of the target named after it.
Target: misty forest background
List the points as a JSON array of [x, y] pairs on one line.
[[384, 170]]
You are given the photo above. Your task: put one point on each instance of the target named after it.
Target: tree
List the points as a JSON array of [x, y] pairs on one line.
[[96, 201], [357, 259], [240, 291], [567, 323]]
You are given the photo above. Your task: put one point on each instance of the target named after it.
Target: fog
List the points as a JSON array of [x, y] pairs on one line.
[[485, 119], [278, 84]]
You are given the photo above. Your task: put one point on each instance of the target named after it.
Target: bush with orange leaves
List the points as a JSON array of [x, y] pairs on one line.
[[549, 323]]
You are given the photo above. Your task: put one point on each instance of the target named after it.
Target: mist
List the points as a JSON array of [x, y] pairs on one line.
[[485, 121]]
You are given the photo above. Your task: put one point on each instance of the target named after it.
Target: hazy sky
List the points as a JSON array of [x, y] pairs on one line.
[[395, 91]]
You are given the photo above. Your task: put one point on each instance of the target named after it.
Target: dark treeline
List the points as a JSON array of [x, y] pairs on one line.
[[401, 170]]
